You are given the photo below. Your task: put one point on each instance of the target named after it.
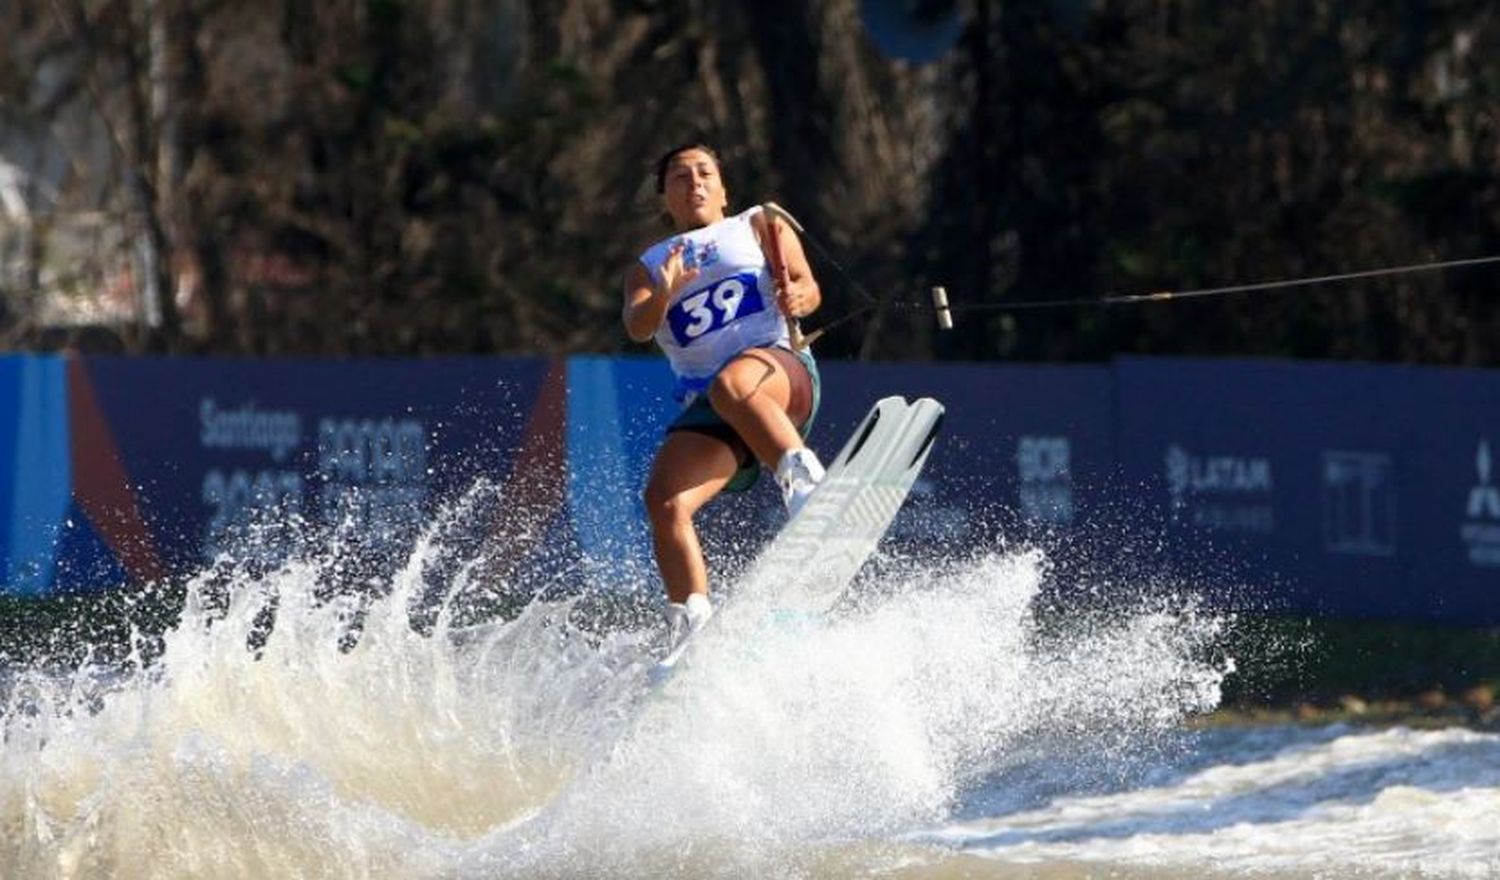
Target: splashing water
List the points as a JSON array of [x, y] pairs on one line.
[[287, 730]]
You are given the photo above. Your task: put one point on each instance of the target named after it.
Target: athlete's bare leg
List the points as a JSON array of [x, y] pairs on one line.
[[690, 468], [752, 393]]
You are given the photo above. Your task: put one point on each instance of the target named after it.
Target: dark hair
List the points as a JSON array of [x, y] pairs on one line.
[[665, 160]]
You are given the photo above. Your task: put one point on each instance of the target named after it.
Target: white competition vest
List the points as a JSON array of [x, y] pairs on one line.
[[728, 308]]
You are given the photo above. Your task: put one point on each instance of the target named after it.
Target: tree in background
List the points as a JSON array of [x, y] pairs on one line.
[[428, 176], [1283, 140]]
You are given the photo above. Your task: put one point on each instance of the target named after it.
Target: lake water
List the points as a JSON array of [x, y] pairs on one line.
[[944, 725]]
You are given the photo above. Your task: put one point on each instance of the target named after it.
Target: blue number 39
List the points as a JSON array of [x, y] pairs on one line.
[[712, 307]]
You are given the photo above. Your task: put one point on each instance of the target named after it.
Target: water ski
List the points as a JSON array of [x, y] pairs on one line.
[[807, 566]]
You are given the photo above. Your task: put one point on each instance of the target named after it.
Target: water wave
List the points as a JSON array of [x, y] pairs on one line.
[[435, 725]]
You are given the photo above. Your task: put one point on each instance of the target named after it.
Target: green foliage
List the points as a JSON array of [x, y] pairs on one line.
[[1284, 659]]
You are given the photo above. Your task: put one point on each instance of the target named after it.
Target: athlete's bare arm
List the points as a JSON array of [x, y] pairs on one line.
[[645, 303]]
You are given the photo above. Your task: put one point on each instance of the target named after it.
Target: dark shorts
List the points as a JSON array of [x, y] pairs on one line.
[[807, 392]]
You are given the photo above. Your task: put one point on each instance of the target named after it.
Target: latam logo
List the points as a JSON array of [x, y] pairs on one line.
[[1481, 529], [1222, 493]]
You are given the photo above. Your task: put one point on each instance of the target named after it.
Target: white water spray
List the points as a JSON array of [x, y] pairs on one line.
[[267, 741]]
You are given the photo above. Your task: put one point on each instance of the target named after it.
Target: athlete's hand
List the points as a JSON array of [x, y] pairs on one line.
[[673, 274], [793, 301]]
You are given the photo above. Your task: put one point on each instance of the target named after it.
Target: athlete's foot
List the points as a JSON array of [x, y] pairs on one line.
[[683, 620], [798, 474]]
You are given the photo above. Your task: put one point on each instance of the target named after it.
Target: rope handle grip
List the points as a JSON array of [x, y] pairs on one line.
[[774, 213]]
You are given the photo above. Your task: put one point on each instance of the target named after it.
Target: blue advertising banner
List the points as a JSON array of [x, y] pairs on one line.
[[1020, 448], [1303, 487], [34, 470], [1453, 493], [1338, 489], [1023, 448], [174, 458], [618, 409]]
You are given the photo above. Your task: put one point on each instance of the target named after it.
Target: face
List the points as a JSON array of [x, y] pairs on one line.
[[692, 190]]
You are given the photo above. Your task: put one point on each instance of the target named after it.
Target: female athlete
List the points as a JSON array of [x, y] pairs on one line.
[[718, 303]]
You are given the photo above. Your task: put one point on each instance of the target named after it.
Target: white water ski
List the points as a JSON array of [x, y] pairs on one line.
[[810, 562]]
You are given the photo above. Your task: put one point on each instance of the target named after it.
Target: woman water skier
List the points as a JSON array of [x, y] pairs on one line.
[[718, 307]]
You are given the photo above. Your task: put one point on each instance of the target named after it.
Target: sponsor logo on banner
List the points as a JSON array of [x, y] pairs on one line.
[[1359, 503], [1481, 529], [373, 475], [248, 428], [1044, 468], [370, 474], [1221, 493], [238, 498]]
